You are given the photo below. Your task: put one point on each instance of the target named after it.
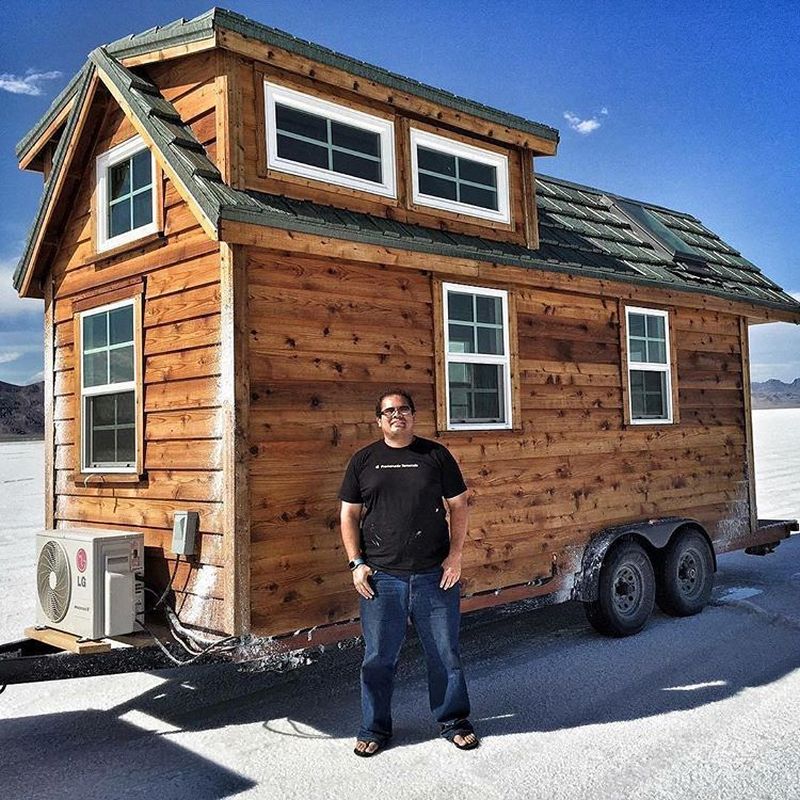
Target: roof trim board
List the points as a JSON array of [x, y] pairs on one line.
[[35, 150], [401, 255], [229, 21], [31, 140], [61, 163]]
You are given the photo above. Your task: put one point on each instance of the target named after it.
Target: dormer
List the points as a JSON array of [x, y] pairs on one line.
[[338, 132]]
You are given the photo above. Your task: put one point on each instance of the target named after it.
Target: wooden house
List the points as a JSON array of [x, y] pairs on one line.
[[244, 237]]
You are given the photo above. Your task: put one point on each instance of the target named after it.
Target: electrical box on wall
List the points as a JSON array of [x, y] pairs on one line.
[[184, 532]]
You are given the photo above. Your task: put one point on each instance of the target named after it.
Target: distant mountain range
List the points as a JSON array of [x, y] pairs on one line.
[[775, 394], [22, 407], [21, 410]]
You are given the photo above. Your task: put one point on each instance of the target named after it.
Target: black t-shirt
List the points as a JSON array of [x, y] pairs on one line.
[[404, 528]]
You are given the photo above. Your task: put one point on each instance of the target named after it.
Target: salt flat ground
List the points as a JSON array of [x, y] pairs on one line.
[[704, 707]]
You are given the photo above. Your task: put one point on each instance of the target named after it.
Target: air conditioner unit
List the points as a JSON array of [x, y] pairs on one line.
[[89, 582]]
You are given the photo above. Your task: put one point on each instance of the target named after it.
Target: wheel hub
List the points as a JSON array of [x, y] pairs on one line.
[[627, 589], [689, 572]]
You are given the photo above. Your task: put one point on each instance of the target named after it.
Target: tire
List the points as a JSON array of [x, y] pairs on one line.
[[685, 575], [626, 592]]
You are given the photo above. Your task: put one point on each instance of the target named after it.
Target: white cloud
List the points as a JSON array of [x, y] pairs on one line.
[[39, 376], [10, 302], [29, 83], [584, 126], [11, 355]]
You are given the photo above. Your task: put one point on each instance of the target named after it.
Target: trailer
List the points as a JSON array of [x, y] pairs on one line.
[[244, 238]]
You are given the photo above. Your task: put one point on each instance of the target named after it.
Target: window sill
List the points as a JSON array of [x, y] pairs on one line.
[[500, 431], [107, 478], [150, 242]]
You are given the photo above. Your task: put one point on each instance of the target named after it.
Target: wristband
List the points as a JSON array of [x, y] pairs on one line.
[[356, 563]]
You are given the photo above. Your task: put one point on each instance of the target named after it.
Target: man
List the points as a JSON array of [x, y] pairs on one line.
[[405, 563]]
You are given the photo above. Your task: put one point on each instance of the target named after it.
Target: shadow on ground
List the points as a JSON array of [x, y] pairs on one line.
[[529, 671]]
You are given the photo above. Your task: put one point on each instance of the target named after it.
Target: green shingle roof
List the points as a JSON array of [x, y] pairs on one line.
[[583, 231]]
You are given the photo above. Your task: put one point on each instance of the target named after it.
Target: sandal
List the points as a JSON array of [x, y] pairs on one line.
[[462, 728], [466, 745], [367, 753]]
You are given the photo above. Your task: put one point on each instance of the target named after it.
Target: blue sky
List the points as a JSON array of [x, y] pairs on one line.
[[695, 106]]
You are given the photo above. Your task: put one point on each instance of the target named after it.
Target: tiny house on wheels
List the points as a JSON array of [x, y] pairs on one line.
[[244, 237]]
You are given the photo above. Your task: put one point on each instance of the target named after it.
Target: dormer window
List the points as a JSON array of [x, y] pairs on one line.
[[126, 196], [454, 176], [317, 139]]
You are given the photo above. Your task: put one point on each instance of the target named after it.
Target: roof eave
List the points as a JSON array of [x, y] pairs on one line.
[[26, 268], [31, 144], [165, 42]]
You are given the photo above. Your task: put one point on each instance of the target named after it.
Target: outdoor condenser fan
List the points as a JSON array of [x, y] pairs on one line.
[[53, 581]]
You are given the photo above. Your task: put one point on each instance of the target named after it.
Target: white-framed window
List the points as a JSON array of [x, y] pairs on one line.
[[477, 357], [108, 356], [649, 367], [325, 141], [459, 177], [126, 194]]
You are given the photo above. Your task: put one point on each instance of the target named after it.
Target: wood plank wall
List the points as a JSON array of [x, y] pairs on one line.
[[183, 419], [328, 336]]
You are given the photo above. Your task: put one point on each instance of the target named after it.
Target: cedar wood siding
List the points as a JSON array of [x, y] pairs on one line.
[[327, 336], [181, 341]]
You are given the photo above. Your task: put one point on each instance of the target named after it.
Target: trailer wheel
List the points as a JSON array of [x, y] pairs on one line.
[[626, 594], [686, 575]]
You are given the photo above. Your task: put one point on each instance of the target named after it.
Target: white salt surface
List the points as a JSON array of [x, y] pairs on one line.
[[776, 440], [704, 707]]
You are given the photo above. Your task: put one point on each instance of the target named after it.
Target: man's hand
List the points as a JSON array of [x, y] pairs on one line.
[[452, 571], [361, 581]]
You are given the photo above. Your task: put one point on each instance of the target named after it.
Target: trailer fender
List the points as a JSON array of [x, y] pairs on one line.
[[654, 534]]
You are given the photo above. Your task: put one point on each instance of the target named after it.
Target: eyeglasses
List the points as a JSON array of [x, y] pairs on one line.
[[399, 411]]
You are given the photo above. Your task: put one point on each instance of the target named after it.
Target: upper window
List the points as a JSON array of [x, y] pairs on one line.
[[317, 139], [649, 369], [126, 196], [108, 388], [477, 360], [458, 177]]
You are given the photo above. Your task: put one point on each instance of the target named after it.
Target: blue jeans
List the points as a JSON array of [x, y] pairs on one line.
[[436, 615]]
